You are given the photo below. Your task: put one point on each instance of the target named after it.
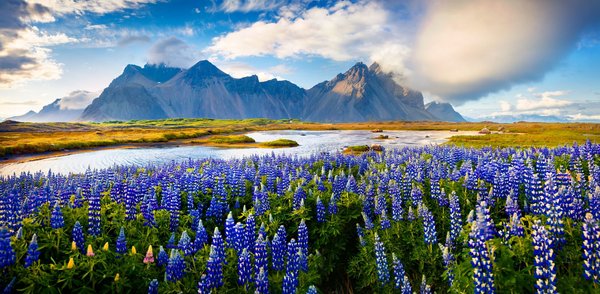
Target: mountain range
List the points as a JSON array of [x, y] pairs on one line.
[[363, 93]]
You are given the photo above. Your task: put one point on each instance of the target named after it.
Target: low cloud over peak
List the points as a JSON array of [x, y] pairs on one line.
[[457, 50]]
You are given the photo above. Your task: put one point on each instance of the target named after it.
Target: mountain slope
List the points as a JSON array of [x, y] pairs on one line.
[[444, 112], [64, 109], [364, 94]]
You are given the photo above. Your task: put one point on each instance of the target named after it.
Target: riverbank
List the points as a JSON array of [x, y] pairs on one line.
[[18, 139]]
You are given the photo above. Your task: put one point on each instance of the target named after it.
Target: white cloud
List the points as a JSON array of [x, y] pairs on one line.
[[346, 31], [173, 52], [505, 106], [77, 99], [250, 5], [544, 100], [92, 6], [241, 70], [584, 117]]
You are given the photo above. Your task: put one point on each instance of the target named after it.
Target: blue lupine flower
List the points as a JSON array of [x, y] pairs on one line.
[[94, 213], [383, 273], [153, 287], [399, 272], [480, 255], [175, 266], [261, 257], [332, 208], [217, 241], [425, 289], [250, 233], [7, 254], [78, 237], [121, 242], [163, 257], [311, 290], [279, 248], [33, 254], [320, 210], [185, 244], [262, 282], [230, 235], [201, 236], [290, 280], [455, 217], [214, 268], [591, 248], [244, 268], [204, 285], [448, 258], [545, 269], [430, 233], [171, 242], [384, 222], [406, 288], [368, 223], [361, 235], [56, 219], [303, 245]]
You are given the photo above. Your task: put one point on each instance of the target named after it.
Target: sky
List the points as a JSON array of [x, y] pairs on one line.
[[486, 57]]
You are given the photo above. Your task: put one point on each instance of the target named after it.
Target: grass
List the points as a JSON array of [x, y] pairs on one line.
[[31, 138], [231, 139], [280, 143], [356, 149]]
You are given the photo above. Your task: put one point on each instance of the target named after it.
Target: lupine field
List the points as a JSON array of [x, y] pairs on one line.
[[413, 220]]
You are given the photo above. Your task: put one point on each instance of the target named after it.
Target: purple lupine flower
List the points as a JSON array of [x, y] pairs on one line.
[[332, 208], [279, 248], [383, 273], [77, 236], [311, 290], [214, 268], [171, 242], [204, 285], [320, 211], [399, 272], [244, 268], [545, 269], [591, 248], [7, 254], [448, 258], [368, 223], [121, 242], [290, 280], [175, 266], [33, 254], [250, 232], [56, 219], [153, 287], [397, 210], [406, 288], [303, 245], [163, 257]]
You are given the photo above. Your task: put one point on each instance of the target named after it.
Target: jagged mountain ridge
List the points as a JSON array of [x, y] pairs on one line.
[[63, 109], [152, 92], [444, 111]]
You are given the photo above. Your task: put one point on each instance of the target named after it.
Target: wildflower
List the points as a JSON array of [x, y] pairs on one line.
[[290, 280], [320, 210], [71, 263], [117, 277], [149, 256], [303, 245], [90, 251], [33, 253], [399, 272], [175, 266], [262, 282], [214, 268], [121, 242], [261, 258], [185, 244], [591, 250], [153, 287], [77, 236], [545, 269], [201, 236], [163, 257], [278, 248], [56, 218], [244, 268], [311, 290], [383, 273], [455, 217], [105, 247], [73, 246], [480, 255]]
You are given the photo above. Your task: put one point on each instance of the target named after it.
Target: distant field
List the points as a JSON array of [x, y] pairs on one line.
[[31, 138]]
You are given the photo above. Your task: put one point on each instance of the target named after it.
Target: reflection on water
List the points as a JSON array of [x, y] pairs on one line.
[[310, 142]]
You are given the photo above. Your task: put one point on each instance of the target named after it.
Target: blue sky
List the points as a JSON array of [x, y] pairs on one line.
[[485, 57]]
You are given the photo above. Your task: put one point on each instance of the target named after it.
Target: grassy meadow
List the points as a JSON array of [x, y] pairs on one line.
[[34, 138]]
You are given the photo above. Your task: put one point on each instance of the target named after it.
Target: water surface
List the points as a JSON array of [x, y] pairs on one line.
[[310, 142]]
